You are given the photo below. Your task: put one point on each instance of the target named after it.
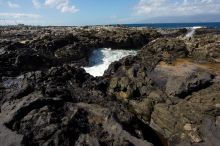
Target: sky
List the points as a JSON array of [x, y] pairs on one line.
[[95, 12]]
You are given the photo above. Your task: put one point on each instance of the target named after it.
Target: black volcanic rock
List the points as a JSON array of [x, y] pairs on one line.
[[164, 88], [164, 49], [42, 48], [173, 33], [60, 108], [207, 48], [162, 96]]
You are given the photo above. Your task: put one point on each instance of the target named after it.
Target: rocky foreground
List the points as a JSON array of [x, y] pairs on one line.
[[167, 95]]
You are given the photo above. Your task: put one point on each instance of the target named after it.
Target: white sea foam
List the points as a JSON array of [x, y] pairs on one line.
[[100, 59], [192, 31]]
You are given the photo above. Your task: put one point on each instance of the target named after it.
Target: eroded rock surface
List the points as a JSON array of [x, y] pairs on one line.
[[61, 108], [43, 47], [168, 94]]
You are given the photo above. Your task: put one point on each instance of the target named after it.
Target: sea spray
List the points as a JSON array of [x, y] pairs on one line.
[[192, 31], [100, 59]]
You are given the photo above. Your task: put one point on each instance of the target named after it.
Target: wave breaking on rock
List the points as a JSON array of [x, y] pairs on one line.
[[100, 59]]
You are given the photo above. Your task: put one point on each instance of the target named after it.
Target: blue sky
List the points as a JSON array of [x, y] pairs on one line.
[[89, 12]]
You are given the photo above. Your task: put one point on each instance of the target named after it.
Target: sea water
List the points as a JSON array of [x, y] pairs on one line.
[[100, 59], [176, 25]]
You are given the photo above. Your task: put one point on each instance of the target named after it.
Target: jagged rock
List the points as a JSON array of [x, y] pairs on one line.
[[46, 121], [144, 108], [70, 52], [85, 139], [163, 49], [209, 131], [130, 82], [209, 52], [205, 48], [205, 31], [174, 120], [153, 98], [173, 32], [78, 119], [52, 112], [56, 46], [32, 62]]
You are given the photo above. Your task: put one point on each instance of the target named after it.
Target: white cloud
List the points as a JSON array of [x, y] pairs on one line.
[[36, 4], [156, 8], [19, 16], [16, 18], [61, 5], [13, 5], [116, 19]]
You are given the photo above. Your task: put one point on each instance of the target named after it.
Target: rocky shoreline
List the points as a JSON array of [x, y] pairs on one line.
[[168, 94]]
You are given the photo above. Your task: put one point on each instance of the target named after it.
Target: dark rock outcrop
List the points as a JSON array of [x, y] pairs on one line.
[[181, 79], [205, 47], [41, 48], [167, 90], [65, 106], [184, 118], [162, 96]]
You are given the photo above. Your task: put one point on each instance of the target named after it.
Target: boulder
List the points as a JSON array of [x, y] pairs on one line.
[[181, 78]]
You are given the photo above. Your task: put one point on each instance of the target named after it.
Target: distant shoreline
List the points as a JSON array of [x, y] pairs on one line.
[[147, 25]]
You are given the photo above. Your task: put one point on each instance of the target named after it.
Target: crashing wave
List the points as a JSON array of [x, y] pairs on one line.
[[192, 31], [100, 59]]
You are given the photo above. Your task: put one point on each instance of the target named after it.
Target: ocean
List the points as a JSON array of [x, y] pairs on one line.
[[176, 25], [101, 58]]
